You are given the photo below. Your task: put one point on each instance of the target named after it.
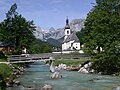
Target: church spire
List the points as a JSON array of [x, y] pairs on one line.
[[67, 21], [67, 24], [67, 29]]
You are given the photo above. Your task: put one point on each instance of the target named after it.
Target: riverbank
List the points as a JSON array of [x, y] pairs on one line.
[[80, 65], [69, 64], [9, 73]]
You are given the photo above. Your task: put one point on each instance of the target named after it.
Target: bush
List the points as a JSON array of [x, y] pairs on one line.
[[117, 74], [2, 55], [5, 71], [107, 64], [2, 83]]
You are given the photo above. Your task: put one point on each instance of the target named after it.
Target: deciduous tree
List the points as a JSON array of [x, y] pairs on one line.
[[102, 35]]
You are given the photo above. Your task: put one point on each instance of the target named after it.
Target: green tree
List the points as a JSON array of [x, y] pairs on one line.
[[102, 31], [40, 47], [80, 35], [17, 29]]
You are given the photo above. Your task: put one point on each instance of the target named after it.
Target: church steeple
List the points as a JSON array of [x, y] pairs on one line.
[[67, 29], [67, 24]]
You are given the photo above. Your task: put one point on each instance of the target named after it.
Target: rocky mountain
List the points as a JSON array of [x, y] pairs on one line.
[[55, 34], [52, 34], [77, 24], [39, 33]]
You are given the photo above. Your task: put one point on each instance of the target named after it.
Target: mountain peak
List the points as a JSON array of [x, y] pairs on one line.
[[75, 25], [52, 29]]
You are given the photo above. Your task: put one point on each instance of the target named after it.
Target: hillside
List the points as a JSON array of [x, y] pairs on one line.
[[40, 47]]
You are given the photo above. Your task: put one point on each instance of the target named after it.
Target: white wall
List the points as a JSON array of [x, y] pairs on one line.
[[64, 46], [71, 44], [76, 46]]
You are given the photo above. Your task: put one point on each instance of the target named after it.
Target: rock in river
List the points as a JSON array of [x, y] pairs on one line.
[[46, 87]]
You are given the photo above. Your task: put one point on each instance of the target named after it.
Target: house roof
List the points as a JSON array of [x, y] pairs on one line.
[[3, 43], [71, 38]]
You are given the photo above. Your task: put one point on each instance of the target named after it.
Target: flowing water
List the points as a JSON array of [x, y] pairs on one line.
[[38, 74]]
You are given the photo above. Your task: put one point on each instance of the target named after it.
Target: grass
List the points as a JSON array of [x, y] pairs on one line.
[[5, 70], [2, 60], [69, 61]]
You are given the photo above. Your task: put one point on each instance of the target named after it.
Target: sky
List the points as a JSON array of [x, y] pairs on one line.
[[48, 13]]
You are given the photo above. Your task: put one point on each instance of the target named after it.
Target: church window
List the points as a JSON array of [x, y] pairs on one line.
[[67, 32]]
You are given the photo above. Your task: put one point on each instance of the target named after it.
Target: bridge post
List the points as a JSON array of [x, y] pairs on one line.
[[50, 58]]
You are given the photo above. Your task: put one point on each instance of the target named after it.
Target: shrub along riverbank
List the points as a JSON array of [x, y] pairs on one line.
[[9, 73]]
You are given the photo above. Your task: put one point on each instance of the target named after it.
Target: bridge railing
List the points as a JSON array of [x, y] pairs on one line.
[[46, 56], [13, 58], [30, 58]]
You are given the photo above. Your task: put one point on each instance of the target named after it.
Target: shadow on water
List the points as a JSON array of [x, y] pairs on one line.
[[38, 74]]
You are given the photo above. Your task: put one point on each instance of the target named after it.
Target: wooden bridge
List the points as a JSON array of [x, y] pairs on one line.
[[27, 58], [24, 58]]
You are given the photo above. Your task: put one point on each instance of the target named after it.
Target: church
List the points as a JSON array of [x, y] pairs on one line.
[[71, 42]]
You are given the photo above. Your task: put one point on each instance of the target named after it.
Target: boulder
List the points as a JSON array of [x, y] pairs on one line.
[[61, 66], [85, 68], [72, 68], [56, 75], [17, 82], [46, 87]]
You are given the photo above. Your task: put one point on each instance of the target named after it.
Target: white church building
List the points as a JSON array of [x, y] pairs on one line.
[[71, 42]]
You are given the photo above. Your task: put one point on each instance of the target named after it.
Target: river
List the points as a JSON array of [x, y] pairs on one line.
[[38, 74]]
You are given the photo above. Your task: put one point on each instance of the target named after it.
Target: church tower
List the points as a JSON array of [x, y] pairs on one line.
[[71, 41], [67, 31]]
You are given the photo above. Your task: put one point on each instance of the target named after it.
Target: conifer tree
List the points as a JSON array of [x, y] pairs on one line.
[[17, 29]]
